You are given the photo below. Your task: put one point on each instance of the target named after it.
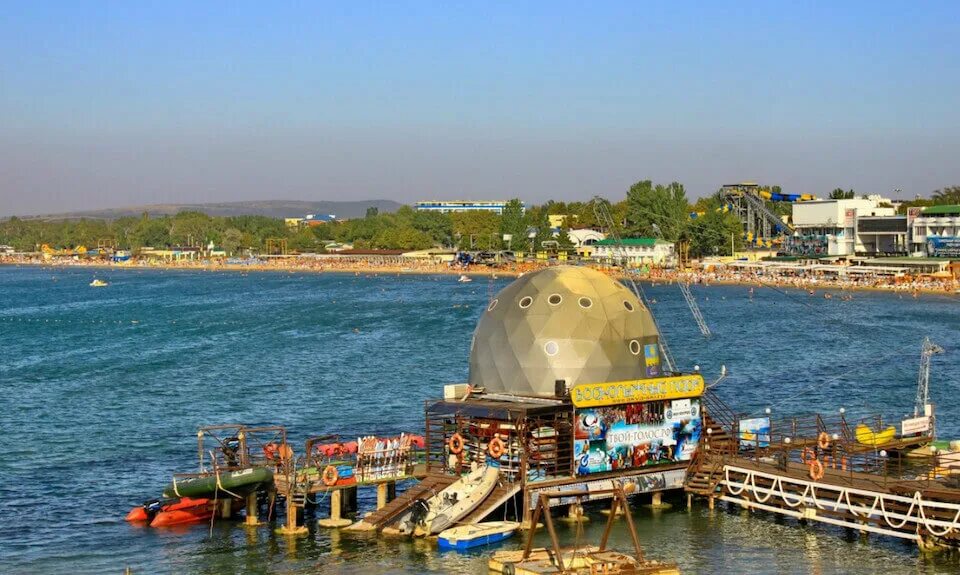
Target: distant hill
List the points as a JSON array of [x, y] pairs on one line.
[[272, 208]]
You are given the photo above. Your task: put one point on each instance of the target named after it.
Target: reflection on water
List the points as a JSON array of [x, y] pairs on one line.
[[102, 391]]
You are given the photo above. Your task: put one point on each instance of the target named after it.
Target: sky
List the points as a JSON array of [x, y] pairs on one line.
[[109, 104]]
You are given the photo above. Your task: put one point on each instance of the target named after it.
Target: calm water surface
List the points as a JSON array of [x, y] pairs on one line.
[[102, 390]]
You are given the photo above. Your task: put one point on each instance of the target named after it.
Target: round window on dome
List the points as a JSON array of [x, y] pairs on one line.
[[555, 299], [635, 347], [492, 305], [586, 302], [551, 348], [526, 302], [628, 305]]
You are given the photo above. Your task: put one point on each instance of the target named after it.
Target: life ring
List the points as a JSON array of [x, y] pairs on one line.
[[823, 440], [807, 455], [330, 476], [456, 444], [495, 448], [286, 452], [270, 451], [816, 470]]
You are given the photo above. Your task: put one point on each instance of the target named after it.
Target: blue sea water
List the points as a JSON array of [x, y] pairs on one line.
[[102, 390]]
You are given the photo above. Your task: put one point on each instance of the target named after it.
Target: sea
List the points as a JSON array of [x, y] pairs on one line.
[[102, 391]]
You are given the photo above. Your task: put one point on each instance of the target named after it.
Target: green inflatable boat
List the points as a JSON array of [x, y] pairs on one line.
[[239, 482]]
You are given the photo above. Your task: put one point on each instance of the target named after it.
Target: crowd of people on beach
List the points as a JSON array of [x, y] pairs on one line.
[[718, 274]]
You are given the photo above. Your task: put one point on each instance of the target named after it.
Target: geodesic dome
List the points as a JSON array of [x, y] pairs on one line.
[[562, 323]]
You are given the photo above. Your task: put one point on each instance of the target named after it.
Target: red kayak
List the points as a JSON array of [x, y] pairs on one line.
[[173, 512]]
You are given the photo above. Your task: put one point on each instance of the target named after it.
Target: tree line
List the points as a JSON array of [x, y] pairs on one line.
[[648, 210]]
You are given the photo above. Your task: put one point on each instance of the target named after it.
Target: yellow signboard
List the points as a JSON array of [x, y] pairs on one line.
[[635, 391]]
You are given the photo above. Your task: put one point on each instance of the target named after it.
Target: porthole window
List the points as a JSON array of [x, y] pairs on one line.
[[492, 305], [525, 302], [555, 299], [585, 302], [635, 347], [551, 348], [628, 305]]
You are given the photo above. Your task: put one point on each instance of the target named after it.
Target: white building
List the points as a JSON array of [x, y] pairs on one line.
[[585, 240], [935, 231], [495, 206], [829, 227], [636, 251]]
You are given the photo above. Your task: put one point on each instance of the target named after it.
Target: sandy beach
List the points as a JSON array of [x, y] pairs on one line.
[[812, 284]]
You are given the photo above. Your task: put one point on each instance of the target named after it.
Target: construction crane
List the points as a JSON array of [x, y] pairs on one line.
[[927, 350], [602, 210]]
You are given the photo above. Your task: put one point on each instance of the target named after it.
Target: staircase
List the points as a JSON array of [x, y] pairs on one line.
[[717, 442], [392, 511]]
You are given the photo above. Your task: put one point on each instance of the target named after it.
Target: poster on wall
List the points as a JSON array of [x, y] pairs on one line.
[[636, 435], [753, 431]]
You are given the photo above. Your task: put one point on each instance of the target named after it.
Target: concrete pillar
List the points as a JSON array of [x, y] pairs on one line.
[[689, 500], [710, 502], [575, 514], [291, 526], [252, 519], [336, 518], [386, 492]]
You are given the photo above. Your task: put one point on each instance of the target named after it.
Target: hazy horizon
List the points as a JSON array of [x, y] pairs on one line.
[[116, 105]]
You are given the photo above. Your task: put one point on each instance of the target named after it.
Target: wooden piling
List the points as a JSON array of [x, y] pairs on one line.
[[252, 520]]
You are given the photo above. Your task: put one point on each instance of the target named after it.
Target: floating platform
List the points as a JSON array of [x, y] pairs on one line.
[[579, 561]]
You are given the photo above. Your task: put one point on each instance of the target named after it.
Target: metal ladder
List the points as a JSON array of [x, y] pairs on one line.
[[694, 308]]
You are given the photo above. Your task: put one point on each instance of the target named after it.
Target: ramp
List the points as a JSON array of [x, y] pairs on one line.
[[392, 511], [498, 497]]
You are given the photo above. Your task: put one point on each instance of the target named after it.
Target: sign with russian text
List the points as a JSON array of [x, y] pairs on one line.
[[635, 391], [915, 425]]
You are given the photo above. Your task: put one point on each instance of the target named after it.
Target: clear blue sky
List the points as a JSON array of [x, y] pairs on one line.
[[119, 103]]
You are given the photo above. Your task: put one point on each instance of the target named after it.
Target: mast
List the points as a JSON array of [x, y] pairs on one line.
[[927, 350]]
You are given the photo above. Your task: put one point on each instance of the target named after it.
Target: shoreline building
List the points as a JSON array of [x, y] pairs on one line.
[[935, 231], [446, 207], [829, 227], [639, 252]]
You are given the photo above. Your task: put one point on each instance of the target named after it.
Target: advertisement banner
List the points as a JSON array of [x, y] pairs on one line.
[[753, 431], [915, 425], [945, 247], [623, 392], [636, 435]]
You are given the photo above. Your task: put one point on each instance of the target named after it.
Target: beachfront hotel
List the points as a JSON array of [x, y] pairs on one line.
[[495, 206]]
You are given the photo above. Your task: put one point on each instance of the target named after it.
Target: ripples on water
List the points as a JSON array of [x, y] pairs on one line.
[[101, 392]]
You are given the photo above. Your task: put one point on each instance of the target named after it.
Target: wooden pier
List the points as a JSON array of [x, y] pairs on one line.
[[828, 470]]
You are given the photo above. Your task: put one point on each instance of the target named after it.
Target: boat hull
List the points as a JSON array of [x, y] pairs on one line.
[[239, 482]]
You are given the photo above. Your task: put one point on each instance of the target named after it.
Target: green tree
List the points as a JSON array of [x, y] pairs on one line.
[[372, 212], [840, 194], [711, 233], [513, 222], [479, 227], [657, 211], [232, 240], [948, 195]]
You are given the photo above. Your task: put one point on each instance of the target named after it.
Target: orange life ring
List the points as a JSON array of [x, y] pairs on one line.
[[816, 470], [823, 440], [456, 444], [330, 476], [270, 451], [495, 448], [807, 455]]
